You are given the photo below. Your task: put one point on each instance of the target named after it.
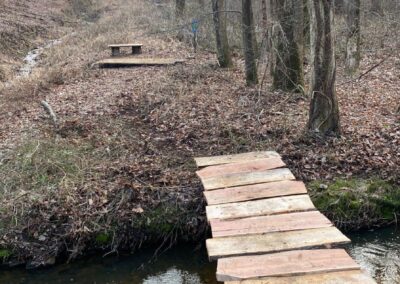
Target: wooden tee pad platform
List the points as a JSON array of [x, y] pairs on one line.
[[133, 61], [115, 48], [265, 227]]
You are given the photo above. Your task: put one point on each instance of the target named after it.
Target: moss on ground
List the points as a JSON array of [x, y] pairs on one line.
[[4, 254], [357, 203]]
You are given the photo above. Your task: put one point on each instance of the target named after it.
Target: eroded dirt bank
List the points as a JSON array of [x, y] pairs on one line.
[[118, 170]]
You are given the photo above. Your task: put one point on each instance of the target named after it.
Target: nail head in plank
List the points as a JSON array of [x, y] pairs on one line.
[[243, 167], [271, 206], [274, 242], [291, 263], [235, 158], [239, 179], [254, 191], [269, 224], [338, 277]]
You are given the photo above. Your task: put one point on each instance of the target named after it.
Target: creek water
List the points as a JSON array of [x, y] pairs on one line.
[[32, 58], [377, 251]]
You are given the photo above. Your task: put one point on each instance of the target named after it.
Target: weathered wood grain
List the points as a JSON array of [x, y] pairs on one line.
[[271, 206], [125, 45], [339, 277], [242, 167], [133, 61], [269, 224], [274, 242], [254, 191], [292, 263], [246, 178], [236, 158]]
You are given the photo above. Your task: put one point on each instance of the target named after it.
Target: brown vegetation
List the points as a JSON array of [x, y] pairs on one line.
[[118, 172]]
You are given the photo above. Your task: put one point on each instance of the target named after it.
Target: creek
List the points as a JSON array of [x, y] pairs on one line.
[[376, 251]]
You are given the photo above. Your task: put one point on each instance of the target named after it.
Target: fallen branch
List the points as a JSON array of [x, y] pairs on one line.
[[369, 70], [50, 112]]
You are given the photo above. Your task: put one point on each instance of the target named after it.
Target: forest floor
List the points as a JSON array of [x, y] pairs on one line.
[[118, 169]]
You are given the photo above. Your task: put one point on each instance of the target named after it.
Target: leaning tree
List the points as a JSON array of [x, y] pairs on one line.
[[324, 110]]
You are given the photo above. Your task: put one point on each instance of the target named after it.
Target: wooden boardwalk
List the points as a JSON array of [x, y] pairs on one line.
[[265, 227]]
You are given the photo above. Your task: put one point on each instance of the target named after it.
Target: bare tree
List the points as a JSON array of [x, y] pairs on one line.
[[219, 17], [376, 7], [249, 42], [287, 45], [264, 23], [324, 110], [180, 8], [353, 37], [179, 15], [339, 6]]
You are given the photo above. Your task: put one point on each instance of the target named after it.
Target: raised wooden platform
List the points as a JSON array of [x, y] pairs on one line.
[[115, 48], [265, 227], [133, 61]]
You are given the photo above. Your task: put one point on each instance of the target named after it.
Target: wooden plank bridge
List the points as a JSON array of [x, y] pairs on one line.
[[265, 227]]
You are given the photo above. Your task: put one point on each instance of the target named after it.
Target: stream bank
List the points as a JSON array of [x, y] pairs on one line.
[[377, 251]]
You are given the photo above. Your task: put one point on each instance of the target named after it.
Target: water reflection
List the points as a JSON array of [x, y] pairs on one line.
[[180, 265], [378, 252]]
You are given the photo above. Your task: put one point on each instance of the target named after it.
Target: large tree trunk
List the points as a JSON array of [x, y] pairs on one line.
[[353, 35], [249, 42], [287, 45], [324, 110], [376, 7], [219, 17]]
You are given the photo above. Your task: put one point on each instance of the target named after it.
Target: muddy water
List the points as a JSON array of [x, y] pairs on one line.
[[377, 251]]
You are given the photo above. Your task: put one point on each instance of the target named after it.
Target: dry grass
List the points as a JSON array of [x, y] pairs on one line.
[[119, 169]]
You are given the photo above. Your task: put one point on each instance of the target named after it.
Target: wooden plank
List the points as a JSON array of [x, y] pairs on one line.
[[125, 45], [246, 178], [339, 277], [236, 158], [235, 168], [269, 224], [271, 206], [290, 263], [254, 191], [274, 242], [133, 61]]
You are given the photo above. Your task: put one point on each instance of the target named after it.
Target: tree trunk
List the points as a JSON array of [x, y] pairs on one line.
[[376, 7], [179, 9], [223, 50], [287, 45], [264, 19], [340, 6], [248, 42], [324, 110], [264, 23], [353, 35], [179, 15]]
